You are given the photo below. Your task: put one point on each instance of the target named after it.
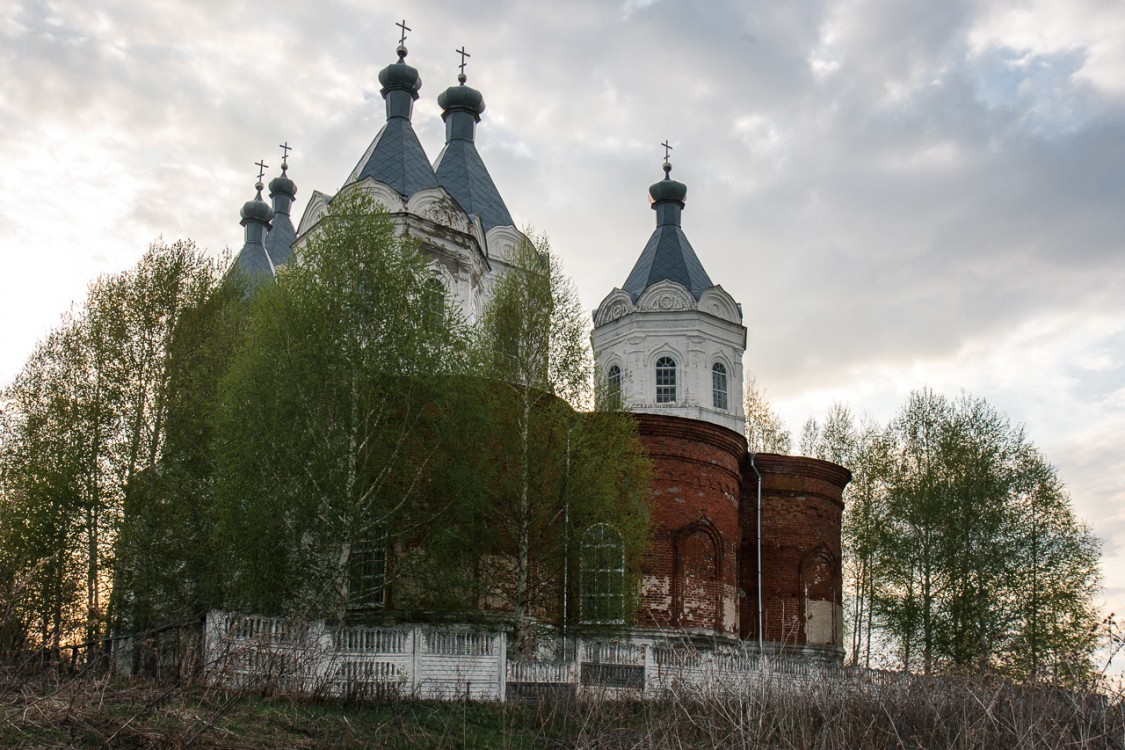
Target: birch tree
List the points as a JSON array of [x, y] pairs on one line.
[[331, 422], [765, 431], [81, 421], [964, 551], [558, 471]]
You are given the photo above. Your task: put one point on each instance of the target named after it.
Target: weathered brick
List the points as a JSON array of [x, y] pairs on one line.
[[700, 571]]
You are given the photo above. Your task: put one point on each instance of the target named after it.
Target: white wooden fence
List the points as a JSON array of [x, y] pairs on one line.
[[463, 662]]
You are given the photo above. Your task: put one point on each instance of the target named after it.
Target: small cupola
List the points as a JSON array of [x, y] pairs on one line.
[[400, 86], [283, 191], [256, 215], [667, 197], [253, 263], [461, 106]]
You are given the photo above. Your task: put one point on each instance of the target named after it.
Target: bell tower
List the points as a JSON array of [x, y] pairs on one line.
[[669, 341]]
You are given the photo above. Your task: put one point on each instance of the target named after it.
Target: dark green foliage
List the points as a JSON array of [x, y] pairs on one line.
[[81, 423], [333, 416], [335, 444], [964, 551], [168, 560], [552, 472]]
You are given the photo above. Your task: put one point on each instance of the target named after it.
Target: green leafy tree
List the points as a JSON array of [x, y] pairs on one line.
[[864, 448], [965, 553], [82, 420], [168, 561], [765, 431], [331, 428], [555, 473]]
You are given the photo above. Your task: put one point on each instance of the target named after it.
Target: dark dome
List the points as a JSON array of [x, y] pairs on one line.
[[257, 209], [668, 189], [399, 75], [461, 97], [282, 185]]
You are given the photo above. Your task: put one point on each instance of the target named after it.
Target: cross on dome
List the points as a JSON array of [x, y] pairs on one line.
[[285, 149], [405, 28], [463, 54], [262, 167], [667, 149]]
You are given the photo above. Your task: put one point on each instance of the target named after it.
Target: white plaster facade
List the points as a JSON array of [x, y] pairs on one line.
[[454, 243], [667, 320]]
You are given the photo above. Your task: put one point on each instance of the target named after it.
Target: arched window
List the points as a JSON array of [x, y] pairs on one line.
[[665, 380], [613, 387], [434, 300], [602, 576], [719, 386], [367, 570]]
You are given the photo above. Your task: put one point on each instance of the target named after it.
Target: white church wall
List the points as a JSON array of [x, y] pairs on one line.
[[667, 322]]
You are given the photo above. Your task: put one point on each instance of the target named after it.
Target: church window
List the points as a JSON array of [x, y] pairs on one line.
[[602, 578], [367, 571], [613, 387], [434, 300], [665, 380], [719, 386]]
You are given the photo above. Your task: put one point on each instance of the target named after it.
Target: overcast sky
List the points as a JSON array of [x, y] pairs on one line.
[[901, 193]]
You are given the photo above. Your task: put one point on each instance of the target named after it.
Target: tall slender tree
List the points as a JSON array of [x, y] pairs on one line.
[[81, 420], [330, 423], [965, 552], [533, 341], [765, 431]]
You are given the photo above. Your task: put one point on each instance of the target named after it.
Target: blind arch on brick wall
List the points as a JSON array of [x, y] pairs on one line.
[[819, 580], [697, 575], [602, 576]]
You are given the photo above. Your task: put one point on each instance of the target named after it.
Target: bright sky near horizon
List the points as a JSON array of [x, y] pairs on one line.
[[901, 193]]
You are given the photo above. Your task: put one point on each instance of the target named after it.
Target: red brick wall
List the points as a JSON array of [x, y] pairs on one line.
[[801, 513], [691, 566]]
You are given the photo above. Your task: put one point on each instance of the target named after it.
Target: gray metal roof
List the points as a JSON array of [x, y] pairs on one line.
[[252, 265], [279, 240], [461, 171], [396, 158], [667, 256]]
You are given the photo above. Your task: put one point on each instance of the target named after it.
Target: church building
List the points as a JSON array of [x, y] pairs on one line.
[[745, 548]]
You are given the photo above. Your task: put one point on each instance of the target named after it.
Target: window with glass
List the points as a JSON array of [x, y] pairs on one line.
[[665, 380], [613, 387], [602, 576], [367, 571], [434, 300], [719, 386]]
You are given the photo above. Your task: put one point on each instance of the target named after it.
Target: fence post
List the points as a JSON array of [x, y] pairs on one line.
[[648, 667], [501, 646], [415, 659]]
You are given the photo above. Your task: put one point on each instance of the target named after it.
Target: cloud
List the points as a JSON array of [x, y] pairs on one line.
[[900, 193]]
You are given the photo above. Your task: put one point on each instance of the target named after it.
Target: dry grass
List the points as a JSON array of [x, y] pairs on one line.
[[46, 709]]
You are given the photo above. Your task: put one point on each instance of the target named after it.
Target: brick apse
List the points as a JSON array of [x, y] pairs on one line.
[[700, 572]]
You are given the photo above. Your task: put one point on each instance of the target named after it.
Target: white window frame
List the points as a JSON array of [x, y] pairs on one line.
[[666, 385], [720, 386]]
